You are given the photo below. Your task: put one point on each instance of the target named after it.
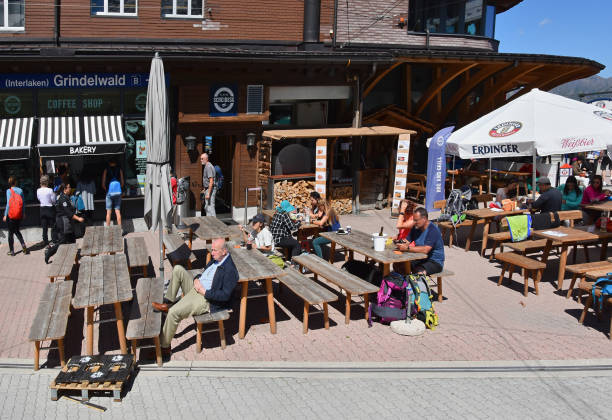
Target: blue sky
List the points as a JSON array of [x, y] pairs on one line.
[[559, 27]]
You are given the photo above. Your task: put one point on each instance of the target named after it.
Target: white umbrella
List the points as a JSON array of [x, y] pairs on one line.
[[158, 198], [536, 123]]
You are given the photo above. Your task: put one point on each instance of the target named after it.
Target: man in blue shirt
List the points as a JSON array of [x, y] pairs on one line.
[[425, 238], [211, 291]]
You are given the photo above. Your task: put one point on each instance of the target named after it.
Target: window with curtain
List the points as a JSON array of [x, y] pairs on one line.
[[12, 15], [114, 7], [182, 8]]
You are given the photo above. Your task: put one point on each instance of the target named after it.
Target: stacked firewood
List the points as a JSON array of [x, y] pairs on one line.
[[296, 192], [342, 199]]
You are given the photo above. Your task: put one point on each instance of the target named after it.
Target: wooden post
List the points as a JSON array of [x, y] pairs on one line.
[[120, 328], [325, 316], [271, 314], [89, 338], [36, 354], [222, 334], [60, 349], [347, 309], [355, 166], [158, 355], [243, 308], [305, 321]]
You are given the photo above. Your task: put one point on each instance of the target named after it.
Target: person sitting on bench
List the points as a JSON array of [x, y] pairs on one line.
[[210, 291], [425, 238], [283, 225]]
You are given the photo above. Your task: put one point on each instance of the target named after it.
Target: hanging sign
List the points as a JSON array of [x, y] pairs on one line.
[[401, 170], [436, 168], [223, 100], [321, 167]]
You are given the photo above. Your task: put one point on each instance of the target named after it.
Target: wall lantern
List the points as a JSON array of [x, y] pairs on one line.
[[190, 142], [250, 139]]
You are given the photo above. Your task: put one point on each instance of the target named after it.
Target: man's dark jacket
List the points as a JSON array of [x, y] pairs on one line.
[[220, 293]]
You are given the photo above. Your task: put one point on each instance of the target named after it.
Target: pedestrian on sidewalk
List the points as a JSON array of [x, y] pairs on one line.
[[209, 189], [65, 215], [46, 198], [13, 214], [112, 182]]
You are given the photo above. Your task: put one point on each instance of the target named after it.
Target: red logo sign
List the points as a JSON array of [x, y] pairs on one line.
[[505, 129], [603, 114]]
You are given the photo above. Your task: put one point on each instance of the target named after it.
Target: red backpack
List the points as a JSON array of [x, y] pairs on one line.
[[15, 206]]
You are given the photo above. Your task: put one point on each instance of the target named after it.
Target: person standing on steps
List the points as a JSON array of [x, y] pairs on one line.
[[112, 182], [209, 189], [14, 214]]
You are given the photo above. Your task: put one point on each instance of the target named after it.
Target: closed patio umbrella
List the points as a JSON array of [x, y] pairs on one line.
[[158, 198]]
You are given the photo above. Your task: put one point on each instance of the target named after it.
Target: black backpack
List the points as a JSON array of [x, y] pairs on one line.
[[541, 221]]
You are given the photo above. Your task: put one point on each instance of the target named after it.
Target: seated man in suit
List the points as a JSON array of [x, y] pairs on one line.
[[210, 291]]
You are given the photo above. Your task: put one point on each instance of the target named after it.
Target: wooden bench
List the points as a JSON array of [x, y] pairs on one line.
[[208, 318], [448, 226], [144, 322], [511, 260], [580, 271], [63, 261], [177, 250], [311, 292], [137, 254], [587, 288], [416, 182], [51, 319], [499, 238], [438, 277], [351, 284]]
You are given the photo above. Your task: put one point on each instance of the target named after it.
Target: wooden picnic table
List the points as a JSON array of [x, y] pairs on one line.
[[252, 265], [304, 231], [605, 206], [101, 240], [63, 261], [137, 254], [362, 243], [103, 280], [206, 228], [570, 236], [487, 215]]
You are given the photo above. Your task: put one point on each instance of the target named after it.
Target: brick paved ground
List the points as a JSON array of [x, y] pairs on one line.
[[479, 320], [153, 396]]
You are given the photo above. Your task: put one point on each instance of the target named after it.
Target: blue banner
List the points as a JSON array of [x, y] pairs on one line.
[[74, 80], [436, 167]]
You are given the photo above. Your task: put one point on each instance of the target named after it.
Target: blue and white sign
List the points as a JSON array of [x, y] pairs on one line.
[[74, 80], [223, 100], [436, 167]]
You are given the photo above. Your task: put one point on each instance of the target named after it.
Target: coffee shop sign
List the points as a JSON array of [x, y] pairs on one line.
[[74, 80]]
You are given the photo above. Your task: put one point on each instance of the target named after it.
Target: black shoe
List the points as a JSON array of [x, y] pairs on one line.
[[26, 251], [10, 253], [47, 255]]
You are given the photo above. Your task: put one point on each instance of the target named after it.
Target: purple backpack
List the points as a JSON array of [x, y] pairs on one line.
[[392, 300]]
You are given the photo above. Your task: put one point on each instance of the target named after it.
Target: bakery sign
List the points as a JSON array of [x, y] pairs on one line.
[[223, 100]]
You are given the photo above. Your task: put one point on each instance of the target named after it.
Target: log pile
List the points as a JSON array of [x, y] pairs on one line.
[[264, 164], [342, 199], [296, 192]]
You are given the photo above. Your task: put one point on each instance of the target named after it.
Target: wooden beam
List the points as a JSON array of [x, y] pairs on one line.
[[206, 118], [441, 81], [567, 77], [507, 80], [543, 81], [485, 72], [379, 77], [408, 87]]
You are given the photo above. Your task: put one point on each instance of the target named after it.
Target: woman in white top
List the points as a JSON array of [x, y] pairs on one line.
[[46, 197], [261, 235]]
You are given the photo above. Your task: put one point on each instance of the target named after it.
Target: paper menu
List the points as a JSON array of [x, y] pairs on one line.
[[554, 233]]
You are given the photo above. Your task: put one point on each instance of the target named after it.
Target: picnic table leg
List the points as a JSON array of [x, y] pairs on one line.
[[407, 267], [243, 308], [347, 309], [305, 321], [89, 337], [386, 269], [485, 233], [271, 314], [546, 251], [468, 242], [332, 252], [120, 327], [604, 250], [325, 316], [60, 349], [190, 238], [366, 305], [198, 337], [36, 354], [562, 263], [158, 355]]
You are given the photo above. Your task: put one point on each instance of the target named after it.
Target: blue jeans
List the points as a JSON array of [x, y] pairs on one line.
[[113, 202], [317, 243]]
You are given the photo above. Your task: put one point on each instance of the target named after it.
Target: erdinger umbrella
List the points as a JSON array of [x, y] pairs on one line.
[[536, 123], [158, 198]]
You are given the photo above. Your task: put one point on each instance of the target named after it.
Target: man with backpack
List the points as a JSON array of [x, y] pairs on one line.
[[209, 188], [425, 238], [112, 182], [13, 214]]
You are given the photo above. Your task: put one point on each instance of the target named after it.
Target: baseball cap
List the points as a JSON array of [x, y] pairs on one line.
[[258, 218], [543, 180]]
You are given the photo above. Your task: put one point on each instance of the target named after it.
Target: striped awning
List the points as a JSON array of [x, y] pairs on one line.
[[58, 136], [16, 138], [105, 132]]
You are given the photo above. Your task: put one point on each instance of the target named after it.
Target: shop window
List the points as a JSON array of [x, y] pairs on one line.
[[113, 7], [182, 8], [101, 102], [281, 114], [58, 103], [12, 15], [135, 101], [16, 104]]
